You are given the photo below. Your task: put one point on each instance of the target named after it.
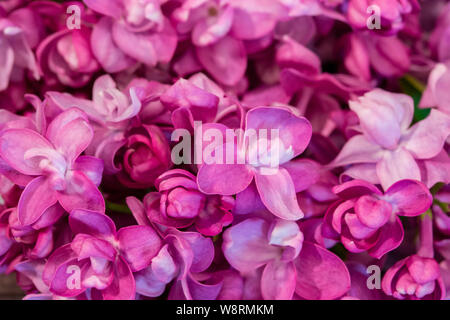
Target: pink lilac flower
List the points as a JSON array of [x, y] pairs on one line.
[[289, 264], [417, 276], [68, 57], [388, 149], [105, 257], [276, 188], [225, 149], [179, 204], [143, 149], [365, 219], [52, 166], [182, 258], [17, 38], [392, 13], [436, 95], [131, 31]]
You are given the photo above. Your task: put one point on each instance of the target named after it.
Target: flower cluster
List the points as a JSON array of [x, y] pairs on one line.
[[206, 149]]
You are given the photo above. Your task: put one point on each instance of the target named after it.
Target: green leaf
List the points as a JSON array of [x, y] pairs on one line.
[[414, 88]]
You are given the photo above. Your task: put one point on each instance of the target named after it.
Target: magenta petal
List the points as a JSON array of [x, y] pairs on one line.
[[246, 246], [183, 93], [146, 47], [138, 210], [304, 173], [226, 60], [49, 217], [56, 273], [202, 249], [14, 143], [105, 50], [277, 192], [81, 193], [93, 223], [423, 270], [208, 31], [389, 276], [147, 284], [86, 246], [111, 8], [224, 179], [70, 133], [123, 286], [372, 212], [33, 270], [355, 189], [409, 198], [138, 245], [357, 229], [91, 167], [389, 238], [37, 197], [6, 63], [320, 274], [294, 131], [278, 280], [191, 289]]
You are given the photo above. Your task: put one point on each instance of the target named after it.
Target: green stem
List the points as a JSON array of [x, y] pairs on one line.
[[117, 207], [416, 84]]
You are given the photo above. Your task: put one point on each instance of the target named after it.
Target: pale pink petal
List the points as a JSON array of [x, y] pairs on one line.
[[427, 138], [246, 246], [277, 192], [14, 144], [395, 166], [225, 60], [138, 245], [278, 280], [37, 197]]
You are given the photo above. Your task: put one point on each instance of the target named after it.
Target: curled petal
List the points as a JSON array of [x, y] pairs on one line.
[[138, 245], [395, 166], [37, 197], [278, 280], [277, 192], [409, 198], [93, 223], [320, 274]]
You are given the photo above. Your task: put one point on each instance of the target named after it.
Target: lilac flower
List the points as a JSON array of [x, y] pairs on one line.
[[181, 259], [388, 149], [439, 38], [417, 276], [17, 38], [387, 55], [436, 93], [220, 32], [277, 190], [140, 154], [129, 32], [364, 219], [104, 257], [392, 13], [53, 167], [179, 204], [290, 265], [68, 57]]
